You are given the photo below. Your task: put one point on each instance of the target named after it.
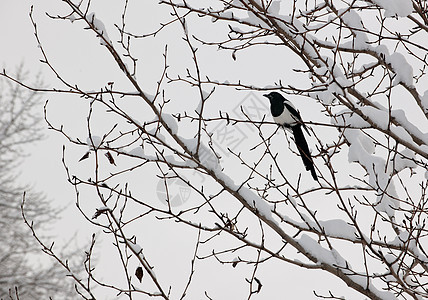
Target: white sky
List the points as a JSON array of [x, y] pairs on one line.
[[77, 54]]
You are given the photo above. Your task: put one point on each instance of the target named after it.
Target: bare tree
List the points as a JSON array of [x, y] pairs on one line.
[[360, 64], [21, 274]]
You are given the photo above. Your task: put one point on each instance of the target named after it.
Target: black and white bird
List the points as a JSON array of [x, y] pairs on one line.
[[285, 114]]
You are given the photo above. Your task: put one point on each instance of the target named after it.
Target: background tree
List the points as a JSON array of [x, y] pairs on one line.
[[357, 67], [23, 270]]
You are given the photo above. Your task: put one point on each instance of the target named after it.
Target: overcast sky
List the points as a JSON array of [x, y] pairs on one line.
[[78, 55]]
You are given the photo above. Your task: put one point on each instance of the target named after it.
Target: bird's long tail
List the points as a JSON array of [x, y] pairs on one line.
[[303, 148]]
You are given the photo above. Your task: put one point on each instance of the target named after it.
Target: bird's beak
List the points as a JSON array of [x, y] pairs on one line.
[[266, 95]]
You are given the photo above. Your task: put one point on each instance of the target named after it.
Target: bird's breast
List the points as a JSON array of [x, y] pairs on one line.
[[284, 118]]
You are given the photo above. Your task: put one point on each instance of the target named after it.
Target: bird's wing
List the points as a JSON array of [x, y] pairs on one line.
[[295, 114]]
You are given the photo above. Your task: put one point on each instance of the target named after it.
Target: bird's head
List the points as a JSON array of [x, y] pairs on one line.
[[274, 97]]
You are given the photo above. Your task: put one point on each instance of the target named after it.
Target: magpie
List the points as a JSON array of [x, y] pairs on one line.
[[285, 114]]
